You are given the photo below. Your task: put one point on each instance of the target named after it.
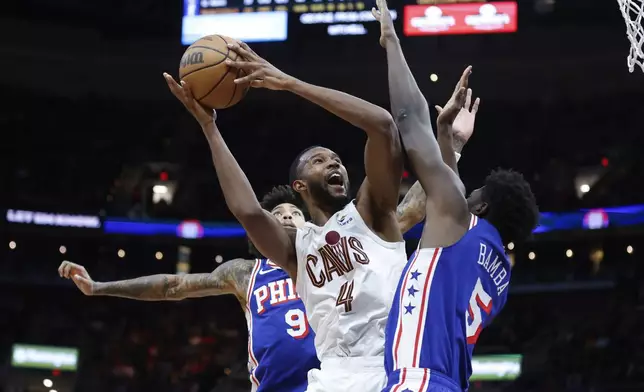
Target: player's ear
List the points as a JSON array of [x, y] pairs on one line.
[[299, 186], [481, 209]]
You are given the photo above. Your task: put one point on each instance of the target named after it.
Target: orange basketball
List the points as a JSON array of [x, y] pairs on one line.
[[211, 80]]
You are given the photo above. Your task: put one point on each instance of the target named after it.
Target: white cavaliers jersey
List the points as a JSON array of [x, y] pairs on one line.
[[346, 277]]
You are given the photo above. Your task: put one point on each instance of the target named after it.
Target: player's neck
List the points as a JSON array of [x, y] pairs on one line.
[[321, 214]]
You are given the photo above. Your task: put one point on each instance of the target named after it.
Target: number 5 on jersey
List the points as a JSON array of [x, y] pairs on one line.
[[345, 297], [479, 300]]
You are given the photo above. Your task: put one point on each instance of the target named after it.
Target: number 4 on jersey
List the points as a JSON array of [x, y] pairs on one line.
[[345, 297], [479, 300]]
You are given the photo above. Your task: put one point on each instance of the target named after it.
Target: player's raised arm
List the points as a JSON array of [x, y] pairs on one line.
[[409, 107], [383, 154], [451, 140], [264, 230], [230, 278]]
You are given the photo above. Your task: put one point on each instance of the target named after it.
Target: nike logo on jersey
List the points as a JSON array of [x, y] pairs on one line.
[[264, 272]]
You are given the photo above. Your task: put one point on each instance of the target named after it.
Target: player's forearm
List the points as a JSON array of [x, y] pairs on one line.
[[412, 115], [450, 146], [445, 143], [145, 288], [238, 193], [360, 113], [407, 101], [268, 235]]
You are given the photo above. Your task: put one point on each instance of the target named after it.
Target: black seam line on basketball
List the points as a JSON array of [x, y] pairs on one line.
[[234, 89], [223, 76], [211, 65], [209, 48], [226, 43]]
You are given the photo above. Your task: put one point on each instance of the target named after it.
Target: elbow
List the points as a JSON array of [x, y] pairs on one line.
[[385, 125]]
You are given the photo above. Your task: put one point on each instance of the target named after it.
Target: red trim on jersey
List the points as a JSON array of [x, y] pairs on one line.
[[425, 378], [422, 306], [400, 306], [403, 376], [249, 292], [473, 221]]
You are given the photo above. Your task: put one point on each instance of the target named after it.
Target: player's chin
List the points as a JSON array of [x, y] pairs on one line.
[[337, 191]]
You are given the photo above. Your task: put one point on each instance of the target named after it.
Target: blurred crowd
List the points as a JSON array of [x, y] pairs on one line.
[[96, 154]]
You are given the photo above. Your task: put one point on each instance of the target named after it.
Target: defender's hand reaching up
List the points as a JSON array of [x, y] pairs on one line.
[[184, 94], [382, 15], [463, 125], [447, 115], [260, 73]]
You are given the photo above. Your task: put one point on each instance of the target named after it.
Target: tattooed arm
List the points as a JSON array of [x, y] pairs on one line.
[[230, 278]]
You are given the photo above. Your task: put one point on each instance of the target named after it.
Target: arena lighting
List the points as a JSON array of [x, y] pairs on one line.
[[597, 255], [532, 255], [121, 253], [433, 77], [52, 390], [219, 259], [160, 189], [62, 250], [584, 188], [163, 191], [12, 245], [158, 255], [511, 246], [569, 253], [629, 249], [47, 383]]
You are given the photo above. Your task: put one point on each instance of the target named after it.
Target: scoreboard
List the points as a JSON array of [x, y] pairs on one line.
[[273, 20]]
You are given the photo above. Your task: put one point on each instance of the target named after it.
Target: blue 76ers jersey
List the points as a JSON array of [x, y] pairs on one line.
[[445, 297], [280, 340]]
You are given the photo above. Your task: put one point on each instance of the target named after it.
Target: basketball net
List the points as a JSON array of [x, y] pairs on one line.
[[633, 13]]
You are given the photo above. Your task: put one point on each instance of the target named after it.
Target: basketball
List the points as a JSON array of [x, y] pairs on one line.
[[203, 67]]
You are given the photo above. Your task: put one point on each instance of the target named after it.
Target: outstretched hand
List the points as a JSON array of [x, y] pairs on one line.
[[463, 125], [447, 115], [79, 275], [260, 73], [382, 15], [184, 94]]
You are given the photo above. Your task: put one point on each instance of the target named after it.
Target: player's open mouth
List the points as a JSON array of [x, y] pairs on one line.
[[335, 178]]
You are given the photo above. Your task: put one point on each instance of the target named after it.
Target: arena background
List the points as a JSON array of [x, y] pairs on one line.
[[90, 130]]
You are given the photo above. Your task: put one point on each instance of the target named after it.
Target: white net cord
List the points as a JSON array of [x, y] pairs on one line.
[[633, 13]]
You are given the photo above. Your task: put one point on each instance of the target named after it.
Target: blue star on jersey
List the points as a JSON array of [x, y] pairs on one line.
[[412, 291], [444, 299]]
